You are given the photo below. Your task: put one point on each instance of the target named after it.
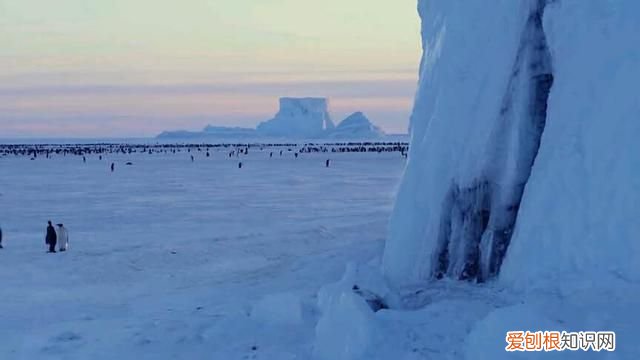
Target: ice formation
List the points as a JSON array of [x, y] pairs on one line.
[[522, 144], [299, 118], [209, 132], [579, 214], [356, 126]]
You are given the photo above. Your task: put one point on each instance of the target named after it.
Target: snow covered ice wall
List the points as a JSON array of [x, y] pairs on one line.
[[476, 125], [299, 117], [580, 215], [499, 112]]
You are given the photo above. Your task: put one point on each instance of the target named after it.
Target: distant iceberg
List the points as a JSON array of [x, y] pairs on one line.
[[210, 132], [297, 118], [356, 126]]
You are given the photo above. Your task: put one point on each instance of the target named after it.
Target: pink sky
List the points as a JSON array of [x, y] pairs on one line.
[[145, 110], [118, 69]]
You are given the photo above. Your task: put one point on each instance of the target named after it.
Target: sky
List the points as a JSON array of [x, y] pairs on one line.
[[132, 68]]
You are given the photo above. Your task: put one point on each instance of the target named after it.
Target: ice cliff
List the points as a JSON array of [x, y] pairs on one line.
[[579, 214], [524, 161]]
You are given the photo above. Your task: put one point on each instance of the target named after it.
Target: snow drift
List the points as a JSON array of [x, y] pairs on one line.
[[522, 144]]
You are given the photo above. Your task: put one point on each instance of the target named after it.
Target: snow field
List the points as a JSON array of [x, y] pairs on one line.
[[174, 259]]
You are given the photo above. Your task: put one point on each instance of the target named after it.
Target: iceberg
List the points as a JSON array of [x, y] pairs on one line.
[[299, 118], [356, 126]]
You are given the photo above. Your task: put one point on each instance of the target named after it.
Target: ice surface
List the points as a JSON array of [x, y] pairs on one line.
[[174, 259], [488, 335], [299, 118], [283, 308], [348, 327]]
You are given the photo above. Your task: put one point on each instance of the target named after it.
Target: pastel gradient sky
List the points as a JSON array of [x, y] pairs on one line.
[[115, 68]]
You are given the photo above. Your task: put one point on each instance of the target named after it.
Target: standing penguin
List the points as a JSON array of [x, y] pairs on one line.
[[63, 237], [51, 237], [240, 165], [1, 247], [113, 167], [327, 163]]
